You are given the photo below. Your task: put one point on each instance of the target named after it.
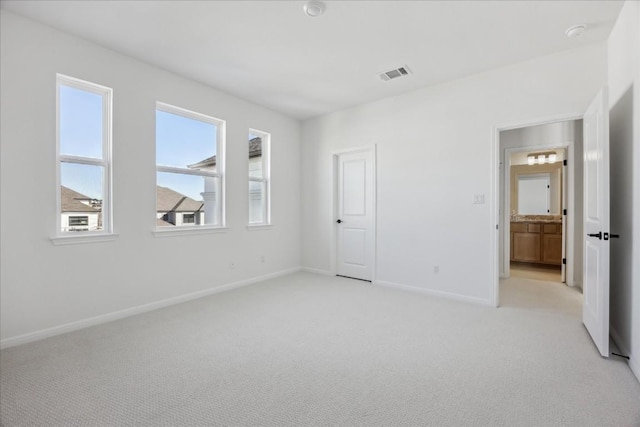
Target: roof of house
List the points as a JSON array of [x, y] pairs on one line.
[[169, 200], [71, 201], [162, 223], [255, 150]]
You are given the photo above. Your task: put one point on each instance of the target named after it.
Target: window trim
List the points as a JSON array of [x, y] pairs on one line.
[[265, 179], [220, 171], [105, 162]]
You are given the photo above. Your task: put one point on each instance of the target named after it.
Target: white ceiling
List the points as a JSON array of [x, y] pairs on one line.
[[271, 53]]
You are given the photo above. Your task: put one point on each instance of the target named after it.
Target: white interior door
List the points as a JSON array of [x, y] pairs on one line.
[[595, 309], [355, 234]]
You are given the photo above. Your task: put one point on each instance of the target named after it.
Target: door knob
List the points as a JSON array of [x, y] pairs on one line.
[[339, 221], [598, 235], [614, 236]]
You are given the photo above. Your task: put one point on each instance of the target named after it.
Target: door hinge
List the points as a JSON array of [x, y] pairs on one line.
[[564, 260], [564, 211], [564, 162]]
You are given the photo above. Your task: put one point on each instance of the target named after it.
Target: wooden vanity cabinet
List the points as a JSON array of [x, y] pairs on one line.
[[552, 244], [525, 244], [536, 242]]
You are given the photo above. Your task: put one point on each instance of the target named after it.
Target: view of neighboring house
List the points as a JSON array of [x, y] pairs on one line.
[[173, 208], [211, 184], [255, 157], [82, 213], [79, 212]]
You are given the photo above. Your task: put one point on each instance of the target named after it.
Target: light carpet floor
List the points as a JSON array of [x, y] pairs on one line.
[[534, 272], [309, 350]]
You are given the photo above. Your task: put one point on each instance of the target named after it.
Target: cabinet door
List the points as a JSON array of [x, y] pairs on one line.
[[552, 248], [526, 247]]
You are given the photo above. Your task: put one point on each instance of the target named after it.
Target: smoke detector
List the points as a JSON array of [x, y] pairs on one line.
[[575, 30], [395, 73], [314, 8]]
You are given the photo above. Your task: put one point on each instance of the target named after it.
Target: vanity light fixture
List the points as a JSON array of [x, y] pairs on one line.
[[542, 158], [314, 8]]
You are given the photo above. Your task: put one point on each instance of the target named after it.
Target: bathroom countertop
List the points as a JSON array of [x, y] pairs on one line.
[[537, 218]]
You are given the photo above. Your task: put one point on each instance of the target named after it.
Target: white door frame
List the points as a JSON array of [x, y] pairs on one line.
[[334, 206], [494, 222]]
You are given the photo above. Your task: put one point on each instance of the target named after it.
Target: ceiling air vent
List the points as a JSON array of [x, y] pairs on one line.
[[398, 72]]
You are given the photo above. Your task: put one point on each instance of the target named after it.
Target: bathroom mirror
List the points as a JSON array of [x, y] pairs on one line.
[[533, 194], [536, 189]]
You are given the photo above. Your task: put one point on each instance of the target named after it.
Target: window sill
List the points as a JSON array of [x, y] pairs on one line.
[[255, 227], [188, 231], [84, 239]]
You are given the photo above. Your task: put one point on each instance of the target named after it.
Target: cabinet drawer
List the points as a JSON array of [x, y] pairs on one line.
[[533, 228], [550, 228], [519, 227]]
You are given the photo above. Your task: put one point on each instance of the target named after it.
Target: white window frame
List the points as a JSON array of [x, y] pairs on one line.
[[266, 179], [107, 209], [220, 172]]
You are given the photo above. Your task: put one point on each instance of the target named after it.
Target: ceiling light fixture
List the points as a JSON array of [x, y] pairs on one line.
[[575, 31], [314, 8]]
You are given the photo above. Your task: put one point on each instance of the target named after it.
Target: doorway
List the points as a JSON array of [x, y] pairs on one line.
[[537, 199], [536, 239]]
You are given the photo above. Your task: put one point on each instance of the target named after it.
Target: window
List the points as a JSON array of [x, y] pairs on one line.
[[259, 209], [189, 218], [78, 220], [190, 168], [84, 156]]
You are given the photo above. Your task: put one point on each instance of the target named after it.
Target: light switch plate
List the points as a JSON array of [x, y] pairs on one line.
[[478, 199]]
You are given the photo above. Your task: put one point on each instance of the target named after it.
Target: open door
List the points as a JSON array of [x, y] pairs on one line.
[[595, 309]]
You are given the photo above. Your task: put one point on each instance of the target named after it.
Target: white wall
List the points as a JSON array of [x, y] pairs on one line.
[[435, 151], [40, 288], [624, 117], [554, 134]]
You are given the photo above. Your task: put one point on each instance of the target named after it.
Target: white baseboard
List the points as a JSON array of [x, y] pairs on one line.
[[316, 271], [440, 294], [618, 340], [633, 363], [575, 285], [104, 318]]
